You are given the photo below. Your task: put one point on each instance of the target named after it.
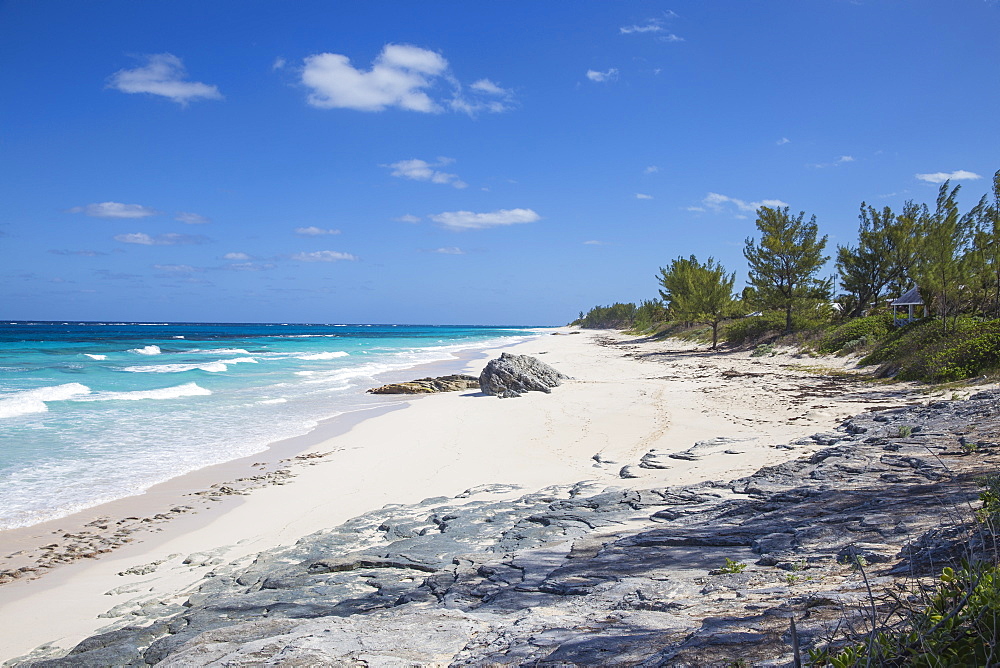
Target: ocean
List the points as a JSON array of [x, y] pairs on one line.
[[91, 412]]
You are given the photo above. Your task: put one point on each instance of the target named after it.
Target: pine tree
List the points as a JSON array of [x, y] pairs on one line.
[[784, 263], [942, 262], [675, 286], [879, 262], [699, 292], [986, 253]]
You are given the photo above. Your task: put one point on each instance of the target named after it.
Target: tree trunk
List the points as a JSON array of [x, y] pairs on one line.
[[788, 319]]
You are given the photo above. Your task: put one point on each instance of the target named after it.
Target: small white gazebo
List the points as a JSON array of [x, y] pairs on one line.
[[911, 300]]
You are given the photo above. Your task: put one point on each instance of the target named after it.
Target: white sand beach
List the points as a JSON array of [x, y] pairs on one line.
[[624, 400]]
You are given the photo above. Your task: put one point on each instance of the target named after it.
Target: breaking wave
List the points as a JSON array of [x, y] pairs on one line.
[[33, 401]]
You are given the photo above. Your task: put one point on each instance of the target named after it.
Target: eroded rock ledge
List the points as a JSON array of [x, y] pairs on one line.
[[453, 383], [584, 575]]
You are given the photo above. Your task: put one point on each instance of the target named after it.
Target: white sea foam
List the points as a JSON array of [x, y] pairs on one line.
[[33, 401], [343, 375], [146, 350], [211, 367], [144, 442], [307, 336], [175, 392], [240, 360], [323, 356], [96, 357]]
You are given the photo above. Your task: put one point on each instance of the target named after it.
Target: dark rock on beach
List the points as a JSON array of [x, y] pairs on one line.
[[511, 375], [453, 383], [585, 575]]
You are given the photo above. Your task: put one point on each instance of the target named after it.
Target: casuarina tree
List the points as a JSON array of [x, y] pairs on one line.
[[943, 263], [784, 262], [699, 292], [880, 260]]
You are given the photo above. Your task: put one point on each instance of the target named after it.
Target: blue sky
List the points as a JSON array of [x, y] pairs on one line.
[[457, 162]]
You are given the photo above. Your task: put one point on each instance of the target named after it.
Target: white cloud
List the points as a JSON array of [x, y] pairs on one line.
[[421, 170], [249, 266], [236, 256], [715, 201], [279, 63], [467, 220], [408, 218], [653, 25], [643, 196], [323, 256], [114, 210], [844, 159], [487, 96], [314, 231], [163, 75], [398, 78], [783, 141], [487, 86], [402, 76], [192, 218], [594, 242], [176, 268], [652, 169], [941, 177], [601, 77], [449, 250], [84, 253], [169, 239]]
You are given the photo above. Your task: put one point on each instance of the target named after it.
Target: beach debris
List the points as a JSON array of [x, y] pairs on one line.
[[511, 375], [452, 383]]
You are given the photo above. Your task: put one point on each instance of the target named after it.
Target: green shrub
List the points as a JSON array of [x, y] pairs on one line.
[[856, 333], [989, 512], [754, 328], [616, 316], [960, 626], [925, 352], [770, 326], [648, 315], [904, 341], [732, 566]]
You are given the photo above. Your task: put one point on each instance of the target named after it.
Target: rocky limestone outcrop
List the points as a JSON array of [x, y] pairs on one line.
[[511, 375], [453, 383], [580, 575]]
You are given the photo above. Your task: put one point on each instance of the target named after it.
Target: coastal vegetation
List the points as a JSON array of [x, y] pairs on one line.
[[950, 257], [952, 621], [947, 263]]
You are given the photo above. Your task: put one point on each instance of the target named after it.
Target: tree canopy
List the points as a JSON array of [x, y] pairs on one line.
[[697, 292], [785, 261]]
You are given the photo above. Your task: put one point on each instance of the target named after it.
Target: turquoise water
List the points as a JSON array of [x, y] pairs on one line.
[[91, 412]]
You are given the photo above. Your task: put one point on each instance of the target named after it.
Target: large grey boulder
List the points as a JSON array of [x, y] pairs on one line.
[[510, 375]]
